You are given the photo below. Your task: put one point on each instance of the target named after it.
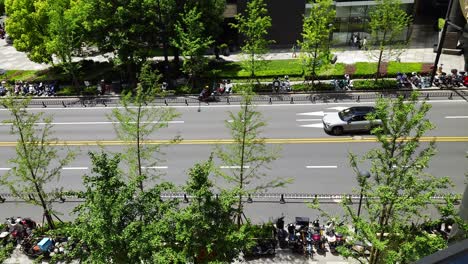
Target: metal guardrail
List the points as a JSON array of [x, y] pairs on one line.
[[88, 101], [274, 197]]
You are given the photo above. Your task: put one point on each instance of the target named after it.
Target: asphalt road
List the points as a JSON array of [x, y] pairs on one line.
[[316, 162]]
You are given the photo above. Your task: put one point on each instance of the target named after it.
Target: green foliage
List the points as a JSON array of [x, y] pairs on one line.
[[248, 157], [254, 25], [6, 251], [135, 123], [399, 186], [106, 212], [408, 67], [383, 84], [263, 231], [315, 36], [365, 69], [387, 22], [37, 162], [66, 33], [204, 228], [2, 7], [66, 91], [192, 41], [27, 24]]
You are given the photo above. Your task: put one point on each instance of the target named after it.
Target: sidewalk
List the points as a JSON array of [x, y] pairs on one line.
[[420, 50], [281, 257]]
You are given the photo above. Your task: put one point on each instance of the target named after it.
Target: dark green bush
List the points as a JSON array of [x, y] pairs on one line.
[[2, 7], [66, 91], [374, 85]]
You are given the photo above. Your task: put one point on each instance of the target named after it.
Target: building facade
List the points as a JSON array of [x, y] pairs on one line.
[[352, 16]]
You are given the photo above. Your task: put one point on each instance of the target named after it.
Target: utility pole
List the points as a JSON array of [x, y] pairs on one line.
[[442, 40]]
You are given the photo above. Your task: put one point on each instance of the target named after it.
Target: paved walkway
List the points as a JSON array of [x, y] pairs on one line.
[[420, 50], [281, 257]]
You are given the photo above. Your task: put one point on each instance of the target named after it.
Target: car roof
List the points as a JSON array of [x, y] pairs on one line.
[[361, 109]]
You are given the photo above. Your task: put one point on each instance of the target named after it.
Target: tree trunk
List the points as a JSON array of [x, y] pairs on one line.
[[176, 55], [140, 180], [39, 190], [377, 75], [241, 183], [314, 63]]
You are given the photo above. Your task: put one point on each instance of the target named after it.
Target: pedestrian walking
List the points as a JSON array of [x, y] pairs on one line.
[[355, 40], [294, 55], [364, 43]]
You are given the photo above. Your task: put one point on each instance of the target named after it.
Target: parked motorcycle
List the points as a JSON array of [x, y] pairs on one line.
[[317, 236], [309, 243], [331, 236]]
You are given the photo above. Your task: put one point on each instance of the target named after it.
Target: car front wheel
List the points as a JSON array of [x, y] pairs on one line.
[[337, 131]]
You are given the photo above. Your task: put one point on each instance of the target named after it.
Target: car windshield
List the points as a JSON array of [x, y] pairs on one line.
[[346, 114]]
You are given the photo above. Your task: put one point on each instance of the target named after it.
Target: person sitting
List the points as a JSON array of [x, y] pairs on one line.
[[222, 87], [205, 93], [276, 84]]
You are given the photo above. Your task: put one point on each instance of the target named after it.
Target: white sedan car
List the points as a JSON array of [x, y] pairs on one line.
[[352, 119]]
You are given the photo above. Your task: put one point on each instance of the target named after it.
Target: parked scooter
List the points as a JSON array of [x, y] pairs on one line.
[[317, 236], [331, 236], [309, 243], [17, 229]]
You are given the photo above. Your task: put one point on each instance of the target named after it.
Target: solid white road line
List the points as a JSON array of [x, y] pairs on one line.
[[316, 113], [155, 167], [233, 167], [307, 120], [319, 125], [97, 123], [74, 168], [5, 169], [456, 117], [338, 108], [288, 105], [321, 167]]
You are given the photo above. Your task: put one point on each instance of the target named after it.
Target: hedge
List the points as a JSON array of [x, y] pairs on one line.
[[384, 84]]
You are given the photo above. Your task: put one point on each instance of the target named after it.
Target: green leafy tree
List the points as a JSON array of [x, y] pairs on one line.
[[247, 159], [37, 164], [48, 29], [137, 122], [387, 23], [315, 36], [205, 231], [399, 189], [27, 23], [126, 29], [192, 41], [109, 220], [66, 33], [254, 25], [107, 210]]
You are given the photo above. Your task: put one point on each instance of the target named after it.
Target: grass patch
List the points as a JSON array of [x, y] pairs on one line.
[[332, 71], [364, 69], [273, 68], [407, 67], [13, 75]]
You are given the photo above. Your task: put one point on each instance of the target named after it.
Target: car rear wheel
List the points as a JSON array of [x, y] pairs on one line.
[[337, 131]]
